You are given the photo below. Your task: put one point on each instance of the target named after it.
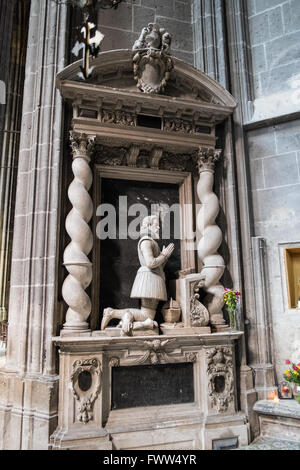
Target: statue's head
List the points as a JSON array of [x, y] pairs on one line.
[[150, 226]]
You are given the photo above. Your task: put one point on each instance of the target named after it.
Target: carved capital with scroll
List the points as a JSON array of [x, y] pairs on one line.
[[207, 159]]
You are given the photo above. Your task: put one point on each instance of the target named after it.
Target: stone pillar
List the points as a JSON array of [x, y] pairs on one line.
[[6, 21], [262, 325], [28, 382], [76, 253], [6, 165], [210, 39], [211, 237], [240, 69], [10, 140]]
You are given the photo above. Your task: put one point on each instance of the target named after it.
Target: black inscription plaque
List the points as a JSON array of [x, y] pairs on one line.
[[152, 385]]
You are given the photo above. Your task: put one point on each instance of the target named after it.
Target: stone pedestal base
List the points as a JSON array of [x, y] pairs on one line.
[[179, 427], [279, 419], [221, 328], [180, 329], [22, 425], [91, 413], [73, 333], [79, 440], [116, 332], [218, 323]]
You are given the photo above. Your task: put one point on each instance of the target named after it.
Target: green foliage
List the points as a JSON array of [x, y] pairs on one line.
[[231, 298], [293, 373]]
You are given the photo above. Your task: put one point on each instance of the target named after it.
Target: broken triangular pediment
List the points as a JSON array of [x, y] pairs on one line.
[[114, 70]]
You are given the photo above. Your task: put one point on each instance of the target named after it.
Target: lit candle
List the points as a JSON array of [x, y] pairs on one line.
[[273, 396]]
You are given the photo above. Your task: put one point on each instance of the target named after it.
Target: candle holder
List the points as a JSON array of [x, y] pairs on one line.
[[285, 390]]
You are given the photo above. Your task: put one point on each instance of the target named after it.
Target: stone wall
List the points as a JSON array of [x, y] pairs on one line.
[[274, 158], [275, 44], [28, 381], [274, 153], [123, 26], [6, 165], [209, 38]]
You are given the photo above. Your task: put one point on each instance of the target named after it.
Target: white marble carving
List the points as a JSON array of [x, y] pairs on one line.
[[195, 316], [211, 237], [149, 284], [220, 377], [199, 315], [86, 386], [155, 353], [76, 253], [152, 63]]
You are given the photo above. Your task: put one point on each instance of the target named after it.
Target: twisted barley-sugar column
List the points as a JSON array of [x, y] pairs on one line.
[[211, 237], [76, 253]]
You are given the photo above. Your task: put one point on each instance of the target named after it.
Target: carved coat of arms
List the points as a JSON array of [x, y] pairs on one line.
[[152, 63]]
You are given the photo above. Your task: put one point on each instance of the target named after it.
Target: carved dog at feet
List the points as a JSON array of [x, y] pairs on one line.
[[131, 319]]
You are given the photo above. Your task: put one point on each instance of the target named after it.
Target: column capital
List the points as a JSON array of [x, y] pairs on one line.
[[207, 158], [82, 145]]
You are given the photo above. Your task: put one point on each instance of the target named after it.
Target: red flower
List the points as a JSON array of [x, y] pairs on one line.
[[238, 293], [295, 368], [287, 361]]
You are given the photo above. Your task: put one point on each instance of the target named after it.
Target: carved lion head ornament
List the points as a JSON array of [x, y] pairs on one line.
[[152, 63]]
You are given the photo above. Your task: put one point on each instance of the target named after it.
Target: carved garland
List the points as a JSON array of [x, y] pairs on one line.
[[134, 156], [155, 354], [174, 162], [184, 126], [120, 118], [220, 377], [86, 386], [129, 119]]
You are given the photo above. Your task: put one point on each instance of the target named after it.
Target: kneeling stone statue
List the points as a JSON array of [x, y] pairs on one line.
[[149, 284]]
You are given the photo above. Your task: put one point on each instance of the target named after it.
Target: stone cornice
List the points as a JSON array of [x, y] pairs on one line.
[[112, 135], [97, 96], [91, 342]]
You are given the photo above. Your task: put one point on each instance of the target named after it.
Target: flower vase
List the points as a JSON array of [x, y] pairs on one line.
[[232, 320], [296, 392]]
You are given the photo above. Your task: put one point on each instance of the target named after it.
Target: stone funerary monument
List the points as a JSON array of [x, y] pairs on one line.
[[145, 119], [135, 185]]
